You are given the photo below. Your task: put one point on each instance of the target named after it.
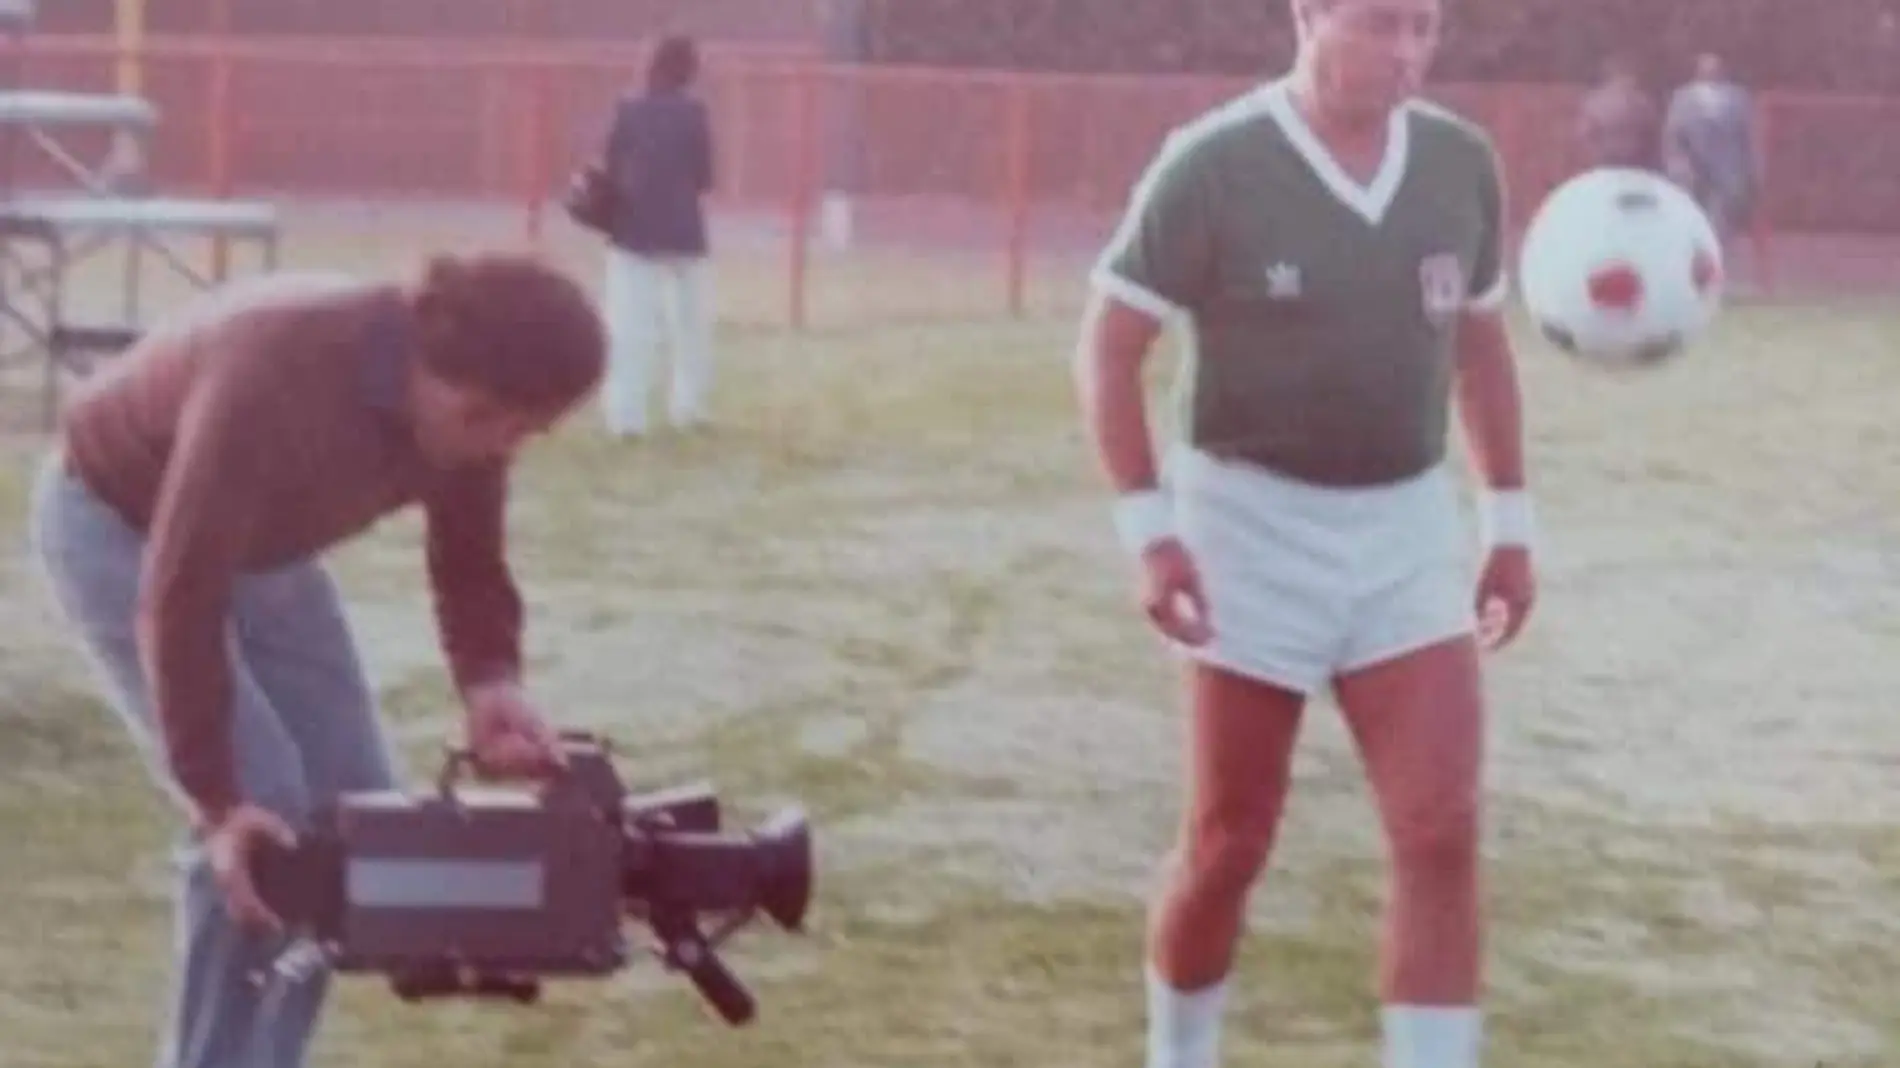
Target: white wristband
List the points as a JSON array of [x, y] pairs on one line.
[[1143, 518], [1505, 517]]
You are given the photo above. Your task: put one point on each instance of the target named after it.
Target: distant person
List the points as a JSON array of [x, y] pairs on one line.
[[1620, 124], [182, 518], [659, 162], [1709, 146]]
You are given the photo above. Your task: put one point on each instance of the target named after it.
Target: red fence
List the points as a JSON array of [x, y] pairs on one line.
[[1018, 163], [787, 22]]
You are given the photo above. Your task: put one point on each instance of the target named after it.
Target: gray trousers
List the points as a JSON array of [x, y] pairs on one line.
[[303, 728]]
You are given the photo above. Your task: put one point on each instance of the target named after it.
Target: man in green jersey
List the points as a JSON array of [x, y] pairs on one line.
[[1333, 248]]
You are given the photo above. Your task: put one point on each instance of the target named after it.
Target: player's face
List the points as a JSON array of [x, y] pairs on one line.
[[1369, 55], [456, 424]]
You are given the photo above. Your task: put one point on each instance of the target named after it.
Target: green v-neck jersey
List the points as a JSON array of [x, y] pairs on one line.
[[1321, 315]]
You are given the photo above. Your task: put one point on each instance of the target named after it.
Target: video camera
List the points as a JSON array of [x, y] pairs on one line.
[[472, 892]]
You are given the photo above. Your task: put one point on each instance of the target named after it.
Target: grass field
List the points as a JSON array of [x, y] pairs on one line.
[[885, 587]]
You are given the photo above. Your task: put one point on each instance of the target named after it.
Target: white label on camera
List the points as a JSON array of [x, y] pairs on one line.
[[383, 883]]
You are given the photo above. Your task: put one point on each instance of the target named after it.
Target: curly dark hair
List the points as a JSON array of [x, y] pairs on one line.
[[512, 326]]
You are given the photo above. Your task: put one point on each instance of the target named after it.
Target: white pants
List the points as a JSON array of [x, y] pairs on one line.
[[1305, 583], [650, 301]]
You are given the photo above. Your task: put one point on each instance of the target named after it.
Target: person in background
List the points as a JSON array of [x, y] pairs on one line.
[[659, 163], [1708, 146], [1619, 124]]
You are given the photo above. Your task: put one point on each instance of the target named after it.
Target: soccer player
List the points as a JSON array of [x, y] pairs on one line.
[[1709, 145], [1333, 248], [181, 521]]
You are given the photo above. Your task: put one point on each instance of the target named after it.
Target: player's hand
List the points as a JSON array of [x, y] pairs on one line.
[[1171, 593], [1506, 591], [231, 847], [508, 736]]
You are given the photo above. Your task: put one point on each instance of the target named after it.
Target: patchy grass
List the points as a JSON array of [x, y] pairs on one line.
[[884, 587]]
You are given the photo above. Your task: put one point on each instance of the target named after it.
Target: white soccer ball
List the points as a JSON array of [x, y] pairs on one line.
[[1621, 268]]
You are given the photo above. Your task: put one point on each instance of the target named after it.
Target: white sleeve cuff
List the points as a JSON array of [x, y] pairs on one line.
[[1143, 518], [1506, 518], [1136, 296], [1492, 299]]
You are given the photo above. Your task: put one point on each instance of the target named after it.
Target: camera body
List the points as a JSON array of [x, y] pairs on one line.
[[471, 891]]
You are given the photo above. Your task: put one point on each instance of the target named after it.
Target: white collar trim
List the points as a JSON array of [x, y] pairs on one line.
[[1369, 201]]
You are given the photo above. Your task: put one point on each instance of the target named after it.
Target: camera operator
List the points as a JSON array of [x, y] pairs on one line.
[[181, 519]]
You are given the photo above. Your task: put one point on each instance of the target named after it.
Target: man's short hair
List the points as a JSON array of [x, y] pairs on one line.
[[675, 64], [513, 327]]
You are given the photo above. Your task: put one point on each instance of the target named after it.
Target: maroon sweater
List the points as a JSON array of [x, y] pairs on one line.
[[259, 429]]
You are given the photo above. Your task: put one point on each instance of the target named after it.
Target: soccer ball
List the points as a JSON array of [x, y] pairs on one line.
[[1621, 268]]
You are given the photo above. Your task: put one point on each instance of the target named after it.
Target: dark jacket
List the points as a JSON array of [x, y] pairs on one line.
[[660, 157]]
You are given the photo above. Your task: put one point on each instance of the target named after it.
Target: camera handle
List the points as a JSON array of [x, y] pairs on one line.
[[684, 948], [458, 761]]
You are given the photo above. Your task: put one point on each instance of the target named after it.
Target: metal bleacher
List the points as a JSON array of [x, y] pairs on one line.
[[90, 208]]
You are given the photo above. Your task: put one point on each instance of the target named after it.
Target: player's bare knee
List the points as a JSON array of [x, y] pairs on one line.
[[1221, 859], [1438, 837]]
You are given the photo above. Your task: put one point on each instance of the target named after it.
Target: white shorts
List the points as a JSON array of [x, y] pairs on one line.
[[1305, 583]]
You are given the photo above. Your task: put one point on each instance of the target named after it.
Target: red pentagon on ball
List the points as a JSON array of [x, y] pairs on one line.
[[1616, 287]]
